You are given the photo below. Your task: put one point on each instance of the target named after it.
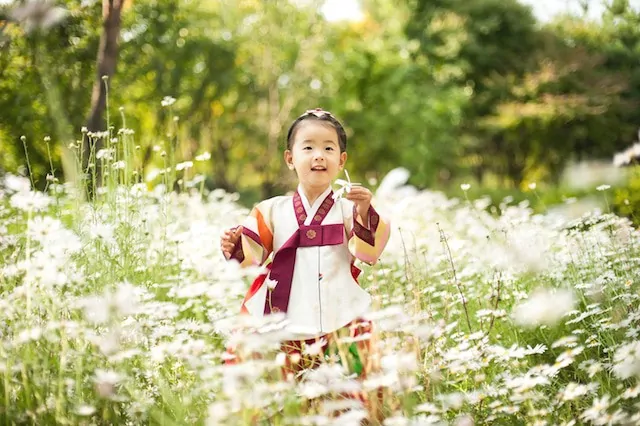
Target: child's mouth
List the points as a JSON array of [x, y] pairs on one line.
[[318, 169]]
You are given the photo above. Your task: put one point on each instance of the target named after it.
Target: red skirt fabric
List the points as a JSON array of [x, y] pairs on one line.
[[296, 360], [294, 349]]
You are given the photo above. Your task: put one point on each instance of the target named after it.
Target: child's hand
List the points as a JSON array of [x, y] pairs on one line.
[[229, 240], [361, 197]]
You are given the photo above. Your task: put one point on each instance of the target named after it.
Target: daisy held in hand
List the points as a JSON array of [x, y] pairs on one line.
[[359, 195], [310, 241], [345, 186]]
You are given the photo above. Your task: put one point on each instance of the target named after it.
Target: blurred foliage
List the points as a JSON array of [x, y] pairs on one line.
[[449, 89], [66, 55], [626, 201], [543, 95]]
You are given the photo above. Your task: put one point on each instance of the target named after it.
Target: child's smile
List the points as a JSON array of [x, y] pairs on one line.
[[315, 156]]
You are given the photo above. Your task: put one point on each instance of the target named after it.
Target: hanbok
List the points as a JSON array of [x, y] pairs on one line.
[[311, 276]]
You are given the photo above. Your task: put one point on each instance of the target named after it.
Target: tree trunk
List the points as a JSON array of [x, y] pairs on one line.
[[106, 66]]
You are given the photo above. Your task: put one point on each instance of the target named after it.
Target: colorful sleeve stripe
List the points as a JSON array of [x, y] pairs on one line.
[[266, 236], [254, 253], [257, 239], [363, 233], [368, 244], [249, 233]]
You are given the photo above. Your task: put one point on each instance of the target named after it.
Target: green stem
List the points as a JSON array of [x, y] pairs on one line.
[[27, 258], [105, 79], [7, 390], [61, 397], [25, 384], [26, 155]]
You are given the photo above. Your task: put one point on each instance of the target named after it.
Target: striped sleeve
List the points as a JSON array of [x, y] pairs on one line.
[[257, 237], [367, 243]]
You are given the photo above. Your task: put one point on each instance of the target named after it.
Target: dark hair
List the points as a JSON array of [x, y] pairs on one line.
[[318, 114]]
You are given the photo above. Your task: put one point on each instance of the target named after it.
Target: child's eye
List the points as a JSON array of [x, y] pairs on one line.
[[306, 148], [329, 148]]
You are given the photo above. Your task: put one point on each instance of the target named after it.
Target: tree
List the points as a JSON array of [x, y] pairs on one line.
[[279, 72], [488, 37], [105, 63], [105, 68], [488, 41], [400, 111], [44, 70], [565, 110]]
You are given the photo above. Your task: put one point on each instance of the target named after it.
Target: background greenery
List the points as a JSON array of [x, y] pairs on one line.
[[116, 311], [454, 91]]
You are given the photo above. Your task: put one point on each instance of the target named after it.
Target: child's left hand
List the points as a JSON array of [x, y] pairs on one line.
[[361, 197]]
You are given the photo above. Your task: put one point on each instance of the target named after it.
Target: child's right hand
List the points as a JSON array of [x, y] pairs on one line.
[[229, 240]]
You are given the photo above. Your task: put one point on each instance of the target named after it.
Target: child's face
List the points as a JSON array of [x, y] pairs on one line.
[[315, 155]]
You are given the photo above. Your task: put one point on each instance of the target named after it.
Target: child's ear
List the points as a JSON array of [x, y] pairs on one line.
[[343, 159], [288, 159]]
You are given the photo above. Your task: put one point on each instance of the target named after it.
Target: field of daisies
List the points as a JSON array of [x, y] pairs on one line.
[[118, 311]]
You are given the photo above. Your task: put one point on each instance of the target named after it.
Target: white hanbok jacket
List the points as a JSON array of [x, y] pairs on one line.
[[313, 249]]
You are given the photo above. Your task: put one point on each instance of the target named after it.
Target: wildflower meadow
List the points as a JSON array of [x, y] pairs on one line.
[[475, 124], [116, 308]]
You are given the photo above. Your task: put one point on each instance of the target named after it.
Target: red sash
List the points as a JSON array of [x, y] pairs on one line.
[[283, 264], [310, 235]]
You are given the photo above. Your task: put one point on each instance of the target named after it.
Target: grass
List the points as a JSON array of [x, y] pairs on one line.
[[117, 310]]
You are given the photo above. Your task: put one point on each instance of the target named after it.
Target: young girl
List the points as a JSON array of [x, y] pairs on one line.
[[315, 238]]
